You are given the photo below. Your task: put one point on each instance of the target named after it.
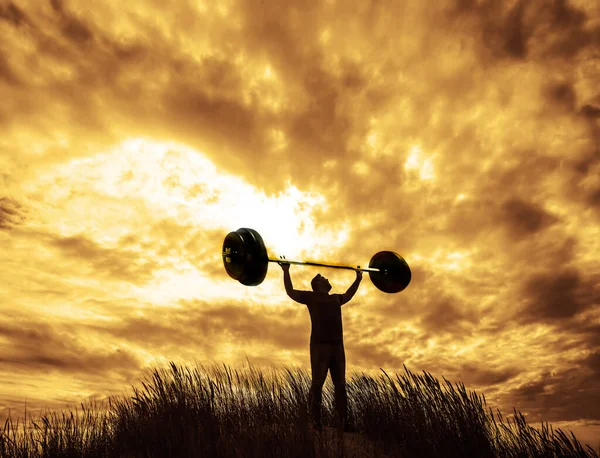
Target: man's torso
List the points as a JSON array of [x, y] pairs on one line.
[[325, 315]]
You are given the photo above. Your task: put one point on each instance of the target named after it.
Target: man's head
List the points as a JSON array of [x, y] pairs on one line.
[[320, 284]]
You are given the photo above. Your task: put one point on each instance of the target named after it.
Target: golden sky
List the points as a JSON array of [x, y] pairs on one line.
[[462, 134]]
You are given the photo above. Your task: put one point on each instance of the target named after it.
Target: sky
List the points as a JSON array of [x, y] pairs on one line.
[[462, 134]]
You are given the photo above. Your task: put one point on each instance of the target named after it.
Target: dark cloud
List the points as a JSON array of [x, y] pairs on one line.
[[366, 354], [471, 219], [484, 375], [568, 391], [57, 5], [590, 111], [524, 219], [593, 198], [6, 73], [562, 94], [445, 315], [530, 29], [585, 334], [118, 264], [509, 37], [558, 295], [160, 334], [223, 119], [41, 347], [530, 391], [12, 14], [11, 213], [76, 31], [205, 326], [322, 126], [569, 24], [580, 185], [592, 361], [498, 203], [563, 395], [278, 29], [518, 178]]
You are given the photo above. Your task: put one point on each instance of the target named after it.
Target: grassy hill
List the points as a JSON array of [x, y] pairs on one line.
[[223, 412]]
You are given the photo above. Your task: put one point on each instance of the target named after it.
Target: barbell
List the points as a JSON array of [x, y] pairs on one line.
[[245, 259]]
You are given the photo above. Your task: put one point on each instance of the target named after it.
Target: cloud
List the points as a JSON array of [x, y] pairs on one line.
[[445, 315], [43, 347], [12, 14], [530, 30], [11, 213], [544, 398], [592, 361], [591, 111], [563, 94], [118, 264], [372, 355], [482, 375], [588, 332], [558, 295], [525, 219], [583, 184], [206, 327]]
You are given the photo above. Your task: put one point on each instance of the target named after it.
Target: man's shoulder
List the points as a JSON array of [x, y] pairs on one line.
[[304, 297]]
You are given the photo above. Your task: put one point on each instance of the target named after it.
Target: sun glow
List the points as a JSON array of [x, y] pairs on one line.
[[140, 185]]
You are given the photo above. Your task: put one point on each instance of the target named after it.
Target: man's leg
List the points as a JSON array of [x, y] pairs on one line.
[[338, 376], [319, 363]]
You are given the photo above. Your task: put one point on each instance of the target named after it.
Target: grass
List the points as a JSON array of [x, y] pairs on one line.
[[221, 412]]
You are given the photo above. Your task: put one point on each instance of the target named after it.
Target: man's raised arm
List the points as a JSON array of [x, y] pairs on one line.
[[287, 281], [353, 288]]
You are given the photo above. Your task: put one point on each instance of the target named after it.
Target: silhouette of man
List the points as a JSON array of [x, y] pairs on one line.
[[326, 341]]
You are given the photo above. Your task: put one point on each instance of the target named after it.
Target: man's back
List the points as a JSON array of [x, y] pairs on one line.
[[325, 316]]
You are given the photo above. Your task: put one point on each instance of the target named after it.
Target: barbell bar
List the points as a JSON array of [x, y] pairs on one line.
[[310, 263], [245, 259]]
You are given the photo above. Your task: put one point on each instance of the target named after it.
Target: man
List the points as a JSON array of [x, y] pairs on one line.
[[326, 342]]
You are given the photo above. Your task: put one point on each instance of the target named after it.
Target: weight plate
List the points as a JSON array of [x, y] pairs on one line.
[[395, 274], [234, 255], [256, 261]]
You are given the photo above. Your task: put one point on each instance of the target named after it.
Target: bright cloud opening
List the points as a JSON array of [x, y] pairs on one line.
[[138, 184], [417, 161]]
